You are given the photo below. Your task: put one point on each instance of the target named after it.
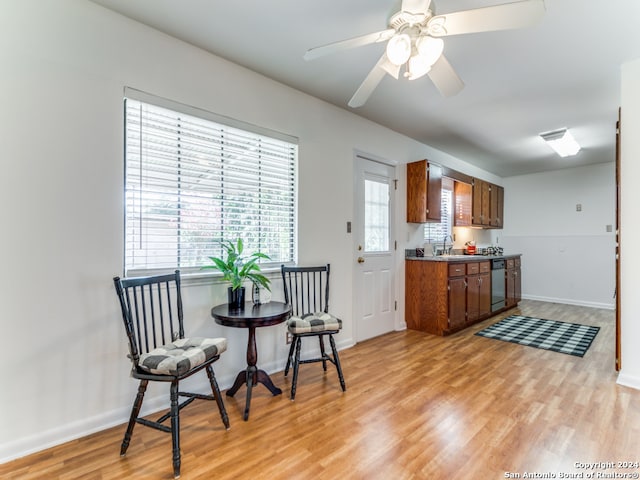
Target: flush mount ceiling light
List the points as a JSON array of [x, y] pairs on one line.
[[562, 142]]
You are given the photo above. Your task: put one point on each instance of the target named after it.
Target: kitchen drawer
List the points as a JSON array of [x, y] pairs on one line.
[[456, 269], [473, 268], [516, 261], [485, 267], [510, 263]]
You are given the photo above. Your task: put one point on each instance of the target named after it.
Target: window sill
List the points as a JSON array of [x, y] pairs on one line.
[[195, 277]]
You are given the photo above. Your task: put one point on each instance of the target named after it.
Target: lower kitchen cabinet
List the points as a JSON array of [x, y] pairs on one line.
[[513, 280], [426, 296], [457, 293], [443, 297], [478, 291]]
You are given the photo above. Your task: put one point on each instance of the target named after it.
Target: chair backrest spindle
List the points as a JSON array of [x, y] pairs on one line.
[[149, 311], [306, 289]]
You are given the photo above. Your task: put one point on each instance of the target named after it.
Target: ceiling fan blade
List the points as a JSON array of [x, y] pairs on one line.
[[497, 17], [445, 77], [369, 84], [415, 6], [376, 37], [385, 64]]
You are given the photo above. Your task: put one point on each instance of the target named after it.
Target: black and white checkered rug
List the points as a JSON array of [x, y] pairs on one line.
[[563, 337]]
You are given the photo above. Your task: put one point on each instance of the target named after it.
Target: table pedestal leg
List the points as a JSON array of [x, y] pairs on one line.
[[252, 375], [265, 379], [241, 379]]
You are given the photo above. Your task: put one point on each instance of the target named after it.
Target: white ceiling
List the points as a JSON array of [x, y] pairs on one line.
[[563, 72]]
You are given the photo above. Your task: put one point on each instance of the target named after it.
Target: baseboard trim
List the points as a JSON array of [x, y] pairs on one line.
[[628, 381], [72, 431], [567, 301]]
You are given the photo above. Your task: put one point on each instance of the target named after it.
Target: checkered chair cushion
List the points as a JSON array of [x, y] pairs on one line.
[[314, 322], [181, 355]]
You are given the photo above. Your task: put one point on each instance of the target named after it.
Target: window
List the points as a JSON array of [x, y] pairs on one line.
[[436, 232], [192, 181], [376, 216]]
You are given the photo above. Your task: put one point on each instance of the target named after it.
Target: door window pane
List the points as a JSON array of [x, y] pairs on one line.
[[376, 216]]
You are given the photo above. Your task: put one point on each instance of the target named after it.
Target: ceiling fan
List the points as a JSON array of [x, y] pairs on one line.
[[413, 41]]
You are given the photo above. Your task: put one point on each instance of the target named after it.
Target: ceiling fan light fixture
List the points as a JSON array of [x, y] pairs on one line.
[[419, 66], [413, 41], [399, 49], [429, 51], [562, 142], [430, 48]]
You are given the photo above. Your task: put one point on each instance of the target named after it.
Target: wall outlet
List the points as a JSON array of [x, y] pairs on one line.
[[289, 337]]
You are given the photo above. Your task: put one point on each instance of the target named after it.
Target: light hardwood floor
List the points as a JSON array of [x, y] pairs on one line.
[[417, 406]]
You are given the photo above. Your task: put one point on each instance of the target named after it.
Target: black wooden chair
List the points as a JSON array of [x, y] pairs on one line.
[[306, 289], [159, 351]]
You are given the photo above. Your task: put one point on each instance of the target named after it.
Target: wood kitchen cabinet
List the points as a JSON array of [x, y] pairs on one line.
[[478, 291], [513, 282], [480, 207], [487, 204], [438, 297], [457, 293], [426, 296], [424, 189], [496, 206], [462, 199]]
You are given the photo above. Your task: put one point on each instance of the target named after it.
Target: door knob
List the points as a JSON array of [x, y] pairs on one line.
[[360, 260]]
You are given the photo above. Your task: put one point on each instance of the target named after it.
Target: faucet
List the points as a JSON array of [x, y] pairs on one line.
[[444, 244]]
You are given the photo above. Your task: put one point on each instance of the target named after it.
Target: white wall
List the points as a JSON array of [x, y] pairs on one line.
[[568, 256], [629, 225], [64, 66]]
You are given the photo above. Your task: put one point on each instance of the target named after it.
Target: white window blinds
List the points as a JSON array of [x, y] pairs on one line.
[[192, 182], [436, 232]]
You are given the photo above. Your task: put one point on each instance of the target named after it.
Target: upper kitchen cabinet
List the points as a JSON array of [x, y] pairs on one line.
[[496, 206], [424, 188], [462, 204], [480, 204], [487, 204]]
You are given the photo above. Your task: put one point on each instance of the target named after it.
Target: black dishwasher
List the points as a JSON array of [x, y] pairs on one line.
[[497, 284]]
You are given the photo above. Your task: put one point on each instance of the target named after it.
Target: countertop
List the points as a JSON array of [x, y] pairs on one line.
[[461, 258]]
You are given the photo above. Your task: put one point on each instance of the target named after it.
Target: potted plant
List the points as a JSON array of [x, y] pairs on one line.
[[237, 269]]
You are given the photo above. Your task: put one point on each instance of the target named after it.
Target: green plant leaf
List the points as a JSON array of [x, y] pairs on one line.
[[260, 280], [219, 264], [236, 269]]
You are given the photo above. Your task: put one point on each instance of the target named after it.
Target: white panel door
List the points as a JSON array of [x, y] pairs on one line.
[[374, 252]]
